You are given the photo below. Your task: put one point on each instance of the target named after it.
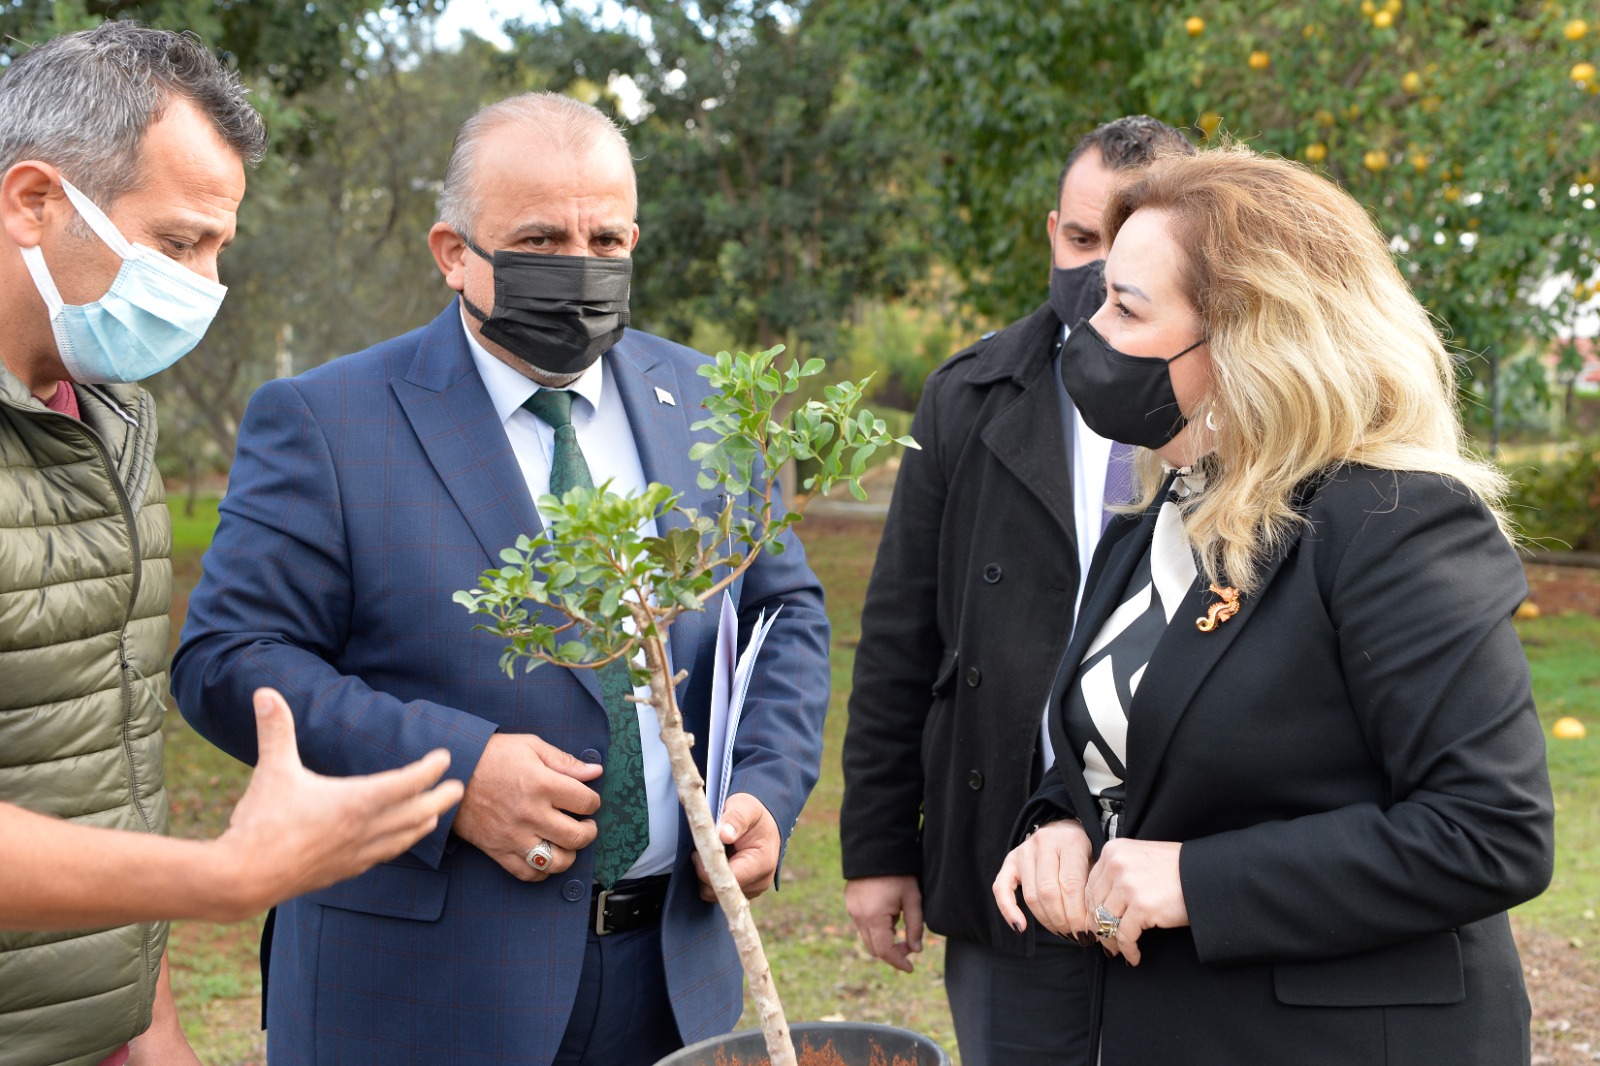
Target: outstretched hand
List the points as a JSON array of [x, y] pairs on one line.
[[295, 831]]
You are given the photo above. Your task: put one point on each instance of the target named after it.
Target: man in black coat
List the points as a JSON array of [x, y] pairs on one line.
[[969, 608]]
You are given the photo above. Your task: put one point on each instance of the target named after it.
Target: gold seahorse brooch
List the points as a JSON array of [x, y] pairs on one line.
[[1218, 613]]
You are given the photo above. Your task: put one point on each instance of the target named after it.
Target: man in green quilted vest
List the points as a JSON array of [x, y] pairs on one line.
[[122, 164]]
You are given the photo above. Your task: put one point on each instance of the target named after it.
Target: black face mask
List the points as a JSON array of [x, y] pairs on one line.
[[1077, 293], [557, 313], [1125, 398]]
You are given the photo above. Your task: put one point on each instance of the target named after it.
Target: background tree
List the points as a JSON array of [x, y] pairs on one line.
[[771, 202], [1469, 128], [997, 92], [292, 46]]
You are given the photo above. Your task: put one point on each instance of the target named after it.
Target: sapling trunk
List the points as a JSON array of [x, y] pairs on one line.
[[703, 827], [575, 569]]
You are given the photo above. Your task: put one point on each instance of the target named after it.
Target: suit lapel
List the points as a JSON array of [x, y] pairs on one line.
[[449, 410], [661, 434], [1183, 659]]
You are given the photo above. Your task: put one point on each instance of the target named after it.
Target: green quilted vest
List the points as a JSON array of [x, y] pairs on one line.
[[85, 586]]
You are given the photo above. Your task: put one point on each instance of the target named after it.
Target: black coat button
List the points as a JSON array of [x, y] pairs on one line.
[[974, 676], [992, 573], [589, 755], [974, 780], [573, 891]]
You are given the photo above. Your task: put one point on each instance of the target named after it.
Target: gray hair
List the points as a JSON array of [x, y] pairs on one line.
[[83, 101], [565, 124]]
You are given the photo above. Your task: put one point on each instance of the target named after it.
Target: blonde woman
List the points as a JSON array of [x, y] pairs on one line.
[[1301, 775]]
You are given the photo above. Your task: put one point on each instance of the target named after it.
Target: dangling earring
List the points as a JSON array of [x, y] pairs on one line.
[[1211, 421]]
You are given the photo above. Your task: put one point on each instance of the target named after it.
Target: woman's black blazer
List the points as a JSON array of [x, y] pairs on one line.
[[1356, 771]]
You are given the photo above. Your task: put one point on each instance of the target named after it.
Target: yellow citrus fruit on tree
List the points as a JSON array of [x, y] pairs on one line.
[[1195, 25], [1375, 160], [1259, 60], [1383, 19], [1568, 729], [1316, 152], [1452, 193], [1323, 117], [1411, 82], [1575, 30], [1582, 72], [1419, 161], [1392, 6], [1368, 8], [1209, 122]]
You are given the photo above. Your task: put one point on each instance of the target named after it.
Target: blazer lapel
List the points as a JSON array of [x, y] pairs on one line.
[[1114, 562], [1183, 659], [661, 434], [449, 410]]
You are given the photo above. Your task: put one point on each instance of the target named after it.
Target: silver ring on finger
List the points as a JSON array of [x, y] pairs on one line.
[[1106, 923], [541, 856]]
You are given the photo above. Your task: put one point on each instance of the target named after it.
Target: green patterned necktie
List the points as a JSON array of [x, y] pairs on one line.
[[624, 816]]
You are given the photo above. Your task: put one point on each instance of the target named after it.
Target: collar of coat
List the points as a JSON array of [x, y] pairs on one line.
[[1019, 351]]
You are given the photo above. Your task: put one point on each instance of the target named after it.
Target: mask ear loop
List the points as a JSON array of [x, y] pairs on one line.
[[103, 227], [33, 259], [1187, 350]]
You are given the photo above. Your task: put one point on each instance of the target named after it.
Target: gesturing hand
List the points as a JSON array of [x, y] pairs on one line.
[[1138, 881], [876, 905], [1050, 867], [524, 791], [295, 831]]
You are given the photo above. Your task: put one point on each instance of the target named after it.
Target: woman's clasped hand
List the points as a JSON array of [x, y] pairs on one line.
[[1135, 883]]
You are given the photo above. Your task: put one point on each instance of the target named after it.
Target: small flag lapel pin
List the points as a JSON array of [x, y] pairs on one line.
[[663, 396]]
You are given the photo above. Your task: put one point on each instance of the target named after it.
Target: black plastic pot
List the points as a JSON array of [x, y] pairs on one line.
[[854, 1041]]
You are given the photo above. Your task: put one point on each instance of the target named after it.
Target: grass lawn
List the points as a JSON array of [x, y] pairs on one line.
[[1565, 654], [822, 972]]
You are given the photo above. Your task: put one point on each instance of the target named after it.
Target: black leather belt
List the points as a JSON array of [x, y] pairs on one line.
[[634, 904]]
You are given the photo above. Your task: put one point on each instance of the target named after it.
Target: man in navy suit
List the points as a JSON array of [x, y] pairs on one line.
[[364, 493]]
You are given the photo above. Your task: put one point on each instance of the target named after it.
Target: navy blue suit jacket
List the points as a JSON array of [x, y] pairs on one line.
[[363, 494]]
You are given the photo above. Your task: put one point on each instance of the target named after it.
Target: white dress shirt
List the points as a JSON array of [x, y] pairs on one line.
[[604, 434]]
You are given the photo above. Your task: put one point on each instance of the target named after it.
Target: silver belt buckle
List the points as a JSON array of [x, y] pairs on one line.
[[600, 913]]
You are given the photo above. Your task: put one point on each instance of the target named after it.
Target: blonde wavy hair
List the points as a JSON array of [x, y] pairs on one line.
[[1320, 353]]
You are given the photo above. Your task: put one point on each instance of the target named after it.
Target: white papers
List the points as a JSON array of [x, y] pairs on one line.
[[730, 682]]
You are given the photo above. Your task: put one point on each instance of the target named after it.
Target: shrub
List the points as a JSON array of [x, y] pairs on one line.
[[1555, 503]]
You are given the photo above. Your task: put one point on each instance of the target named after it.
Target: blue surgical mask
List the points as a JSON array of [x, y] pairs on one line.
[[154, 314]]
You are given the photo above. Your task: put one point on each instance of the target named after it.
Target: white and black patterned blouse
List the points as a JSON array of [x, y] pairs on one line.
[[1096, 707]]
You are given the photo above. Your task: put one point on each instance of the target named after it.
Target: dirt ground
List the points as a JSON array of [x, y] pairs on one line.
[[1565, 994], [1558, 589]]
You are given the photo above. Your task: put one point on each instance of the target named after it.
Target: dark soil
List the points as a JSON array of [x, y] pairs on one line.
[[823, 1056]]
